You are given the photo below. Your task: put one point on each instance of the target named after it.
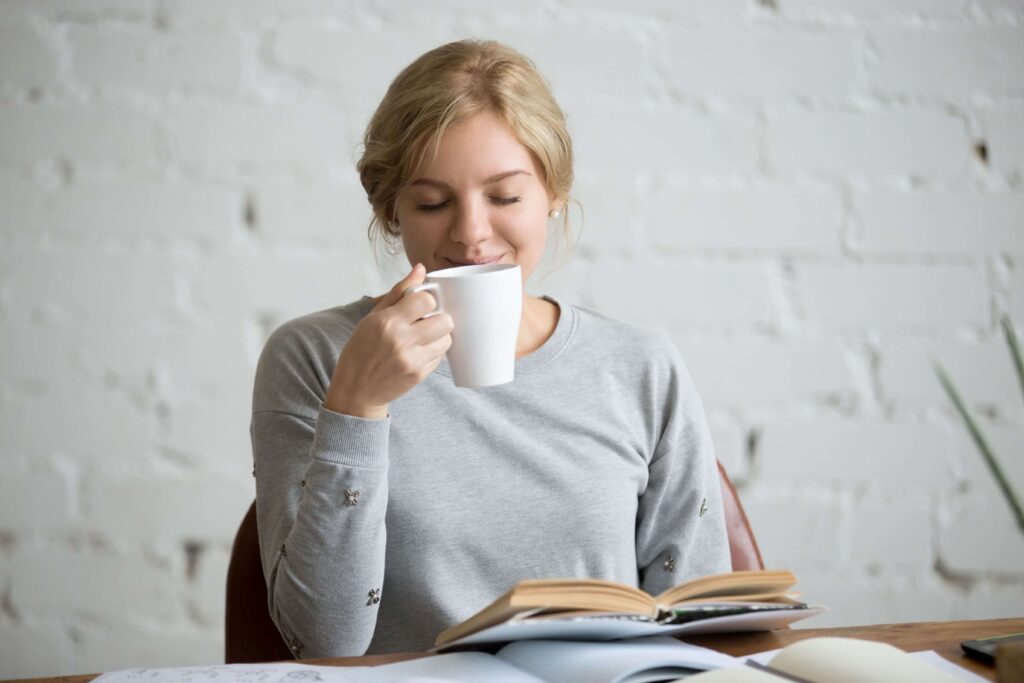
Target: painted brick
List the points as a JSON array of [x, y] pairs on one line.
[[751, 372], [981, 372], [34, 650], [204, 359], [25, 56], [166, 508], [1003, 132], [1007, 444], [610, 216], [1001, 8], [884, 455], [942, 223], [762, 62], [125, 646], [205, 592], [894, 535], [289, 211], [108, 57], [730, 443], [85, 436], [894, 296], [403, 8], [869, 143], [663, 143], [960, 62], [25, 206], [693, 9], [1017, 299], [92, 583], [871, 9], [212, 435], [773, 218], [250, 12], [31, 500], [796, 532], [228, 135], [94, 285], [36, 354], [326, 54], [870, 599], [991, 601], [63, 10], [609, 67], [965, 549], [701, 295], [147, 208], [87, 134], [290, 285]]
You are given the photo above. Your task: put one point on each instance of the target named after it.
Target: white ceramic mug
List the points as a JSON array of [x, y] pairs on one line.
[[486, 304]]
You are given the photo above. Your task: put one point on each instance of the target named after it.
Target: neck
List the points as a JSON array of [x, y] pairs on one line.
[[536, 325]]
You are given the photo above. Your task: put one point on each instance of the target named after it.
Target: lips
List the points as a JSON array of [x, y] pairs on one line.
[[472, 261]]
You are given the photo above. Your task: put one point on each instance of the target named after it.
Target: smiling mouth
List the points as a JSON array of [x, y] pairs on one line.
[[472, 262]]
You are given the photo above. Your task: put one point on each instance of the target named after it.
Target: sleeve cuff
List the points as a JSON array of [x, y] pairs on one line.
[[352, 441]]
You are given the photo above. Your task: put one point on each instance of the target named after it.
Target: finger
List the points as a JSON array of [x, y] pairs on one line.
[[430, 329], [415, 277], [433, 352], [415, 305]]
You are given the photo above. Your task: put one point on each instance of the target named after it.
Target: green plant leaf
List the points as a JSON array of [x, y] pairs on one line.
[[982, 444], [1014, 344]]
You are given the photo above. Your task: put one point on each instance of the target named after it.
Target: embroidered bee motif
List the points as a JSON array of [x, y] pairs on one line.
[[373, 597], [351, 498]]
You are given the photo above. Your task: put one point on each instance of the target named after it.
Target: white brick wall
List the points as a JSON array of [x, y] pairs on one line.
[[815, 198]]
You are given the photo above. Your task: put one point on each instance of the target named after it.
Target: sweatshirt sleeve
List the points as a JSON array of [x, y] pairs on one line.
[[321, 498], [681, 532]]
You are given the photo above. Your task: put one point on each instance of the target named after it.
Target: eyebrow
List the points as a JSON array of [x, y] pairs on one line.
[[488, 181]]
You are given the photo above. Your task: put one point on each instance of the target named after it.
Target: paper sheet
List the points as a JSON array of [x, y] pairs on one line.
[[461, 667], [928, 656]]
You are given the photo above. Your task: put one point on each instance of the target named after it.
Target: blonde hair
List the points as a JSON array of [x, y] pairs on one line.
[[443, 87]]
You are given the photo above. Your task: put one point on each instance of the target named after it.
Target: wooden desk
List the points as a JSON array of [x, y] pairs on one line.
[[942, 636]]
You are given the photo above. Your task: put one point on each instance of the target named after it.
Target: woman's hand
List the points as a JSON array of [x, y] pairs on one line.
[[390, 351]]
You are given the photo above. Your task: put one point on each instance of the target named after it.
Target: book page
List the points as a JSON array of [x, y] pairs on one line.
[[463, 667], [848, 660], [738, 583], [736, 674], [580, 662]]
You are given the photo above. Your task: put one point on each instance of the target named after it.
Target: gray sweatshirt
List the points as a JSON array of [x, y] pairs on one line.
[[378, 534]]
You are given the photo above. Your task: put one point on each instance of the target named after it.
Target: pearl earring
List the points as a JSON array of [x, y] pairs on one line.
[[555, 213]]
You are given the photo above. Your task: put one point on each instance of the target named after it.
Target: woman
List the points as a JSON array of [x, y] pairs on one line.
[[391, 504]]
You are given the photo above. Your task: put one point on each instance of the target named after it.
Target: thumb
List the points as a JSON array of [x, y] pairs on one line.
[[415, 277]]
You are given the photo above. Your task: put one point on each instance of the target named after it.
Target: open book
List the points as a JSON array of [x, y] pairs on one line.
[[646, 660], [836, 660], [590, 609]]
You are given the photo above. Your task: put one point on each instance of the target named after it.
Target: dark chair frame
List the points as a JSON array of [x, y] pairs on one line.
[[251, 636]]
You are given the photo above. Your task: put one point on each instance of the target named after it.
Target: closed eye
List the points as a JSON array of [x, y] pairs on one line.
[[505, 201], [500, 201]]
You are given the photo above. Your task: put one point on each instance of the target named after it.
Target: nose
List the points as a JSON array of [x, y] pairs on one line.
[[471, 224]]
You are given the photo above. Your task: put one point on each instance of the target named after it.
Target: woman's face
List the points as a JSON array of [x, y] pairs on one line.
[[481, 200]]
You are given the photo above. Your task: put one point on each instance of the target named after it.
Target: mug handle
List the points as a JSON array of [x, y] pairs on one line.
[[435, 291]]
